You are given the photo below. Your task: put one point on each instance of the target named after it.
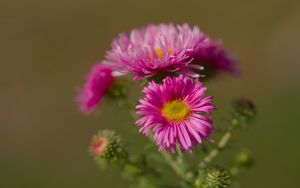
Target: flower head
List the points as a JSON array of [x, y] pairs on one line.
[[98, 82], [157, 48], [215, 59], [177, 112], [167, 48], [106, 145]]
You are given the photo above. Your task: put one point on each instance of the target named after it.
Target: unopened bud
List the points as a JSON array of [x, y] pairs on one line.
[[245, 110], [119, 90], [107, 146], [244, 159], [213, 177]]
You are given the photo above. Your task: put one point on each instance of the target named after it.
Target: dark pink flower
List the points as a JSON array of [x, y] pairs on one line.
[[214, 58], [176, 111], [98, 82]]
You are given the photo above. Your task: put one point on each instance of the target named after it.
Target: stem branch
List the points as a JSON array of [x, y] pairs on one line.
[[221, 144]]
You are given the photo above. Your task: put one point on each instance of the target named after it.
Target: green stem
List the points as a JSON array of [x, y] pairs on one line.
[[173, 164], [213, 153]]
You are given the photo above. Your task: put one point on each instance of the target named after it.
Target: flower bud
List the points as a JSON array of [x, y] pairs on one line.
[[244, 159], [245, 110], [213, 177], [119, 90], [106, 146]]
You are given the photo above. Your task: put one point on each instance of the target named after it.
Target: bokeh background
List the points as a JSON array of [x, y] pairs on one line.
[[47, 46]]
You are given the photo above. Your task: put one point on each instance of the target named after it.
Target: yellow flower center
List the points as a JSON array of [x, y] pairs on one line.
[[160, 53], [175, 111]]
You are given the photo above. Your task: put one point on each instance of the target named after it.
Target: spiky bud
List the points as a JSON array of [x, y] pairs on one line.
[[106, 145], [213, 177]]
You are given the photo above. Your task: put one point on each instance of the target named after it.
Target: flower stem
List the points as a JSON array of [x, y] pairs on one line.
[[173, 164], [213, 153]]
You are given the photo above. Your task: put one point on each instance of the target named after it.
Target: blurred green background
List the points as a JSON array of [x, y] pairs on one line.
[[47, 46]]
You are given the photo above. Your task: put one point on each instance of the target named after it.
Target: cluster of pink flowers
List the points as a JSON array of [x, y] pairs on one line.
[[175, 109]]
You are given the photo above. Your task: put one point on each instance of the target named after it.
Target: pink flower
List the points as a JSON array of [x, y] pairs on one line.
[[177, 112], [166, 48], [215, 59], [157, 48], [98, 82]]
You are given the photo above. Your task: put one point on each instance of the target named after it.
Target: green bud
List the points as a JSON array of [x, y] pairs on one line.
[[119, 89], [213, 177], [244, 159], [106, 146], [245, 111]]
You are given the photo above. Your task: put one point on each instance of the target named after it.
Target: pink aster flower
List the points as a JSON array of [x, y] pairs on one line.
[[177, 112], [157, 48], [98, 82], [165, 48]]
